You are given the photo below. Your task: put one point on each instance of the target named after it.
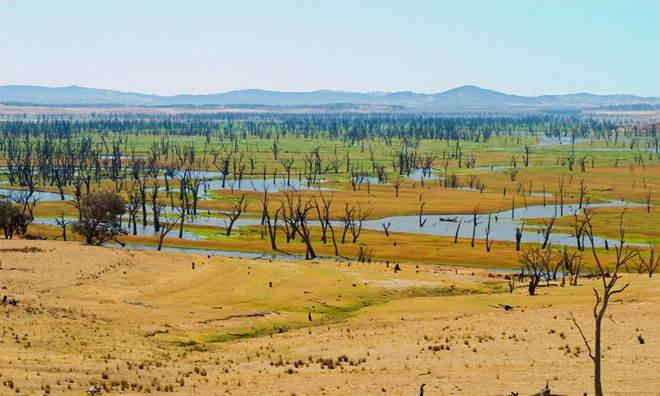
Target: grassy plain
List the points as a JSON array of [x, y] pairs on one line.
[[138, 322]]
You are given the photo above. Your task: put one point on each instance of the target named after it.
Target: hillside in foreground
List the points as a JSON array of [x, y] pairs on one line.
[[138, 322]]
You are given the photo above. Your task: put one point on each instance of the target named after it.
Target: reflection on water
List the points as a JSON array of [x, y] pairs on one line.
[[41, 196], [502, 228]]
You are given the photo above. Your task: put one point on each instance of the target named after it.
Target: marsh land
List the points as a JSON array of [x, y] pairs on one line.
[[331, 253]]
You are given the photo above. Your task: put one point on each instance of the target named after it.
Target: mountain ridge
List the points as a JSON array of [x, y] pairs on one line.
[[466, 97]]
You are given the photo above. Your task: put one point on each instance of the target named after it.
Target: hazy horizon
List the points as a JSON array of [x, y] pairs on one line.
[[320, 90], [170, 47]]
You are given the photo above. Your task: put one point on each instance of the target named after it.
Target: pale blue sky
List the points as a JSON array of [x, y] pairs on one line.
[[527, 47]]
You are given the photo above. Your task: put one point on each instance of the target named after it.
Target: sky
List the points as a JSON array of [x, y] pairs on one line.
[[168, 47]]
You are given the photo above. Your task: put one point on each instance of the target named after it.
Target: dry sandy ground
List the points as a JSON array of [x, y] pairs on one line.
[[121, 319]]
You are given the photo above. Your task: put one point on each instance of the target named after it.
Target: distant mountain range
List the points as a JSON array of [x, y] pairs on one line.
[[465, 98]]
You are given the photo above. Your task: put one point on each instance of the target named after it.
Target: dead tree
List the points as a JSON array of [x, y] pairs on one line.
[[287, 164], [358, 221], [133, 208], [651, 264], [583, 191], [561, 196], [63, 223], [535, 265], [237, 208], [270, 223], [156, 205], [346, 219], [609, 278], [225, 160], [397, 185], [301, 212], [323, 213], [546, 230], [475, 222], [519, 233], [326, 224], [386, 227], [458, 228], [571, 262], [579, 225], [528, 150], [364, 253], [489, 244], [166, 225], [421, 213], [182, 210]]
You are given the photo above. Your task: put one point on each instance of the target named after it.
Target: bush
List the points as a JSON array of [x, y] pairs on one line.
[[99, 217]]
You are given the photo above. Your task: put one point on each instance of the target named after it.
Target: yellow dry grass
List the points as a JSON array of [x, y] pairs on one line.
[[137, 322]]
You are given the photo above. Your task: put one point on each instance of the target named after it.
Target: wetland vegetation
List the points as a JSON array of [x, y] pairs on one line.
[[360, 229]]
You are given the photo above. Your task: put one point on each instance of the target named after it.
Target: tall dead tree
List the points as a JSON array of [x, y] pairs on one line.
[[301, 211], [323, 213], [546, 230], [357, 223], [609, 278], [475, 222], [519, 234], [489, 243]]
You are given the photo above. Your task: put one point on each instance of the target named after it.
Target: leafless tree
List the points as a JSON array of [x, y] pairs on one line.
[[571, 262], [421, 213], [458, 228], [358, 220], [519, 233], [63, 223], [489, 244], [397, 185], [583, 191], [535, 265], [379, 170], [652, 262], [167, 224], [301, 211], [561, 196], [609, 278], [579, 225], [546, 230], [27, 201], [570, 160], [323, 212], [156, 204], [270, 221], [347, 219], [287, 164], [528, 150], [475, 222], [364, 253], [386, 227], [275, 148], [222, 166], [133, 207], [237, 208]]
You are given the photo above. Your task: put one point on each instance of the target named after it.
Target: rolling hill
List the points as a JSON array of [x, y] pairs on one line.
[[465, 98]]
